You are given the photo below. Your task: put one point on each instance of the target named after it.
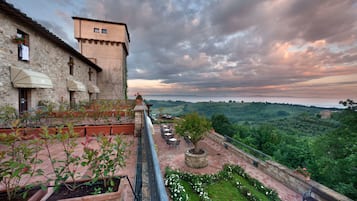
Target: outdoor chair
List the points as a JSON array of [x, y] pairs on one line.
[[177, 143], [187, 140], [307, 196]]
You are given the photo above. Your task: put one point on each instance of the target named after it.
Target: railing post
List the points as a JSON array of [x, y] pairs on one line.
[[139, 110]]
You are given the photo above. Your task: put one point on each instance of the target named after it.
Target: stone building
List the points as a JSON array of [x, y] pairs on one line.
[[106, 44], [36, 65]]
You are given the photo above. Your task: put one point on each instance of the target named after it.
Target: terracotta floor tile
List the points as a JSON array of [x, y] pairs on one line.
[[217, 157]]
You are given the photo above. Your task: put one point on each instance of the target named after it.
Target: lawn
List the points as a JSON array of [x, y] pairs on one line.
[[224, 190], [231, 184]]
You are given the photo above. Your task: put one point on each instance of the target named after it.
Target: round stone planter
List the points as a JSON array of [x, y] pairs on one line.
[[196, 160]]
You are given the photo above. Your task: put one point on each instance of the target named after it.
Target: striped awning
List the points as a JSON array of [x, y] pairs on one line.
[[92, 88], [23, 78], [74, 85]]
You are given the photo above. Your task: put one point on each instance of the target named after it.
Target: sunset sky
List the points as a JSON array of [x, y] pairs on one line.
[[285, 48]]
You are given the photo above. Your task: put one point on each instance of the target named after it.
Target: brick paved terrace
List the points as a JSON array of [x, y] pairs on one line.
[[217, 157]]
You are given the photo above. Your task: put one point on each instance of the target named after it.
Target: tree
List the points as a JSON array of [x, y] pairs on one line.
[[222, 125], [336, 158], [350, 104], [195, 127]]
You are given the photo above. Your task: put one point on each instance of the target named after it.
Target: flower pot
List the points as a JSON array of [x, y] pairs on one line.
[[196, 160], [126, 129], [79, 130], [85, 193], [97, 130], [31, 133], [34, 194], [6, 130]]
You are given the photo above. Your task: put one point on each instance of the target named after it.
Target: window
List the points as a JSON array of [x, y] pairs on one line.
[[104, 31], [70, 64], [90, 74], [96, 30], [23, 41], [72, 100]]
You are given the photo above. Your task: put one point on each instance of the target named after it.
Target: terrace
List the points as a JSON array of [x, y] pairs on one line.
[[149, 155]]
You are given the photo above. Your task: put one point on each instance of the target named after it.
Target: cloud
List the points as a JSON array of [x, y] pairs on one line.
[[232, 46]]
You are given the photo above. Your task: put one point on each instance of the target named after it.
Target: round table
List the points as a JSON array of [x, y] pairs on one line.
[[173, 139]]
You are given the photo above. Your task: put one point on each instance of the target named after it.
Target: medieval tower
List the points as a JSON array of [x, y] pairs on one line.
[[107, 45]]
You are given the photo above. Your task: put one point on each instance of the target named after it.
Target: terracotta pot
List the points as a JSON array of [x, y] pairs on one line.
[[36, 194], [79, 130], [114, 196], [31, 133], [97, 130], [51, 131], [127, 129], [6, 130]]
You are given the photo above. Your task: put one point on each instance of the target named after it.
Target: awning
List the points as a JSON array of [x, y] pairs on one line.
[[92, 88], [23, 78], [73, 85]]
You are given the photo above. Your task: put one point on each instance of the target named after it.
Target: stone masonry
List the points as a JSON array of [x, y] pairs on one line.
[[46, 57]]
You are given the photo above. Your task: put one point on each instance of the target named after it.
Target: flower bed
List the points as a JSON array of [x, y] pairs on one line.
[[233, 177]]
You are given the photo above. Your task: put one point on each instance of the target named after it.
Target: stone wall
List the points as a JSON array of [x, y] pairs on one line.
[[45, 57], [111, 57], [284, 174], [109, 50]]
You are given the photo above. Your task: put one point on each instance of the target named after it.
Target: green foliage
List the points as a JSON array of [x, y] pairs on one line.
[[18, 159], [236, 112], [193, 126], [222, 125], [232, 183], [7, 115], [336, 158], [106, 160], [67, 168]]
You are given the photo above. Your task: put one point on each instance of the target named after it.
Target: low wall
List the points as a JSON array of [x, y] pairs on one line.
[[284, 174]]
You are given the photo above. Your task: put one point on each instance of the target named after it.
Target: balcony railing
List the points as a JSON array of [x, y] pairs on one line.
[[156, 182], [250, 150]]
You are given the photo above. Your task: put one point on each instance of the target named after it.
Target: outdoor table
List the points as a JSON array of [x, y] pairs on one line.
[[173, 139]]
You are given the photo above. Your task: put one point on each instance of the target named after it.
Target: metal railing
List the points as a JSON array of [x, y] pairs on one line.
[[156, 181], [248, 149]]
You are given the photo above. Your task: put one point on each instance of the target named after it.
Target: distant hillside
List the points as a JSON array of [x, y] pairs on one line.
[[293, 119]]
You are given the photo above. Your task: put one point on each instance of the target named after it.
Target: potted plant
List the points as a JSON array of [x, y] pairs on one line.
[[194, 127], [303, 171], [18, 164], [138, 99], [7, 115], [103, 162], [18, 40]]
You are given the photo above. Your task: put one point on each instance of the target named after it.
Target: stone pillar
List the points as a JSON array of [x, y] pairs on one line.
[[139, 110]]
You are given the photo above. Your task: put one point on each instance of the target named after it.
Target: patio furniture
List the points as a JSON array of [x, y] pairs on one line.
[[187, 140]]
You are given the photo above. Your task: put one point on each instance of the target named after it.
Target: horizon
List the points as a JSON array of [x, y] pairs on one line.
[[308, 102]]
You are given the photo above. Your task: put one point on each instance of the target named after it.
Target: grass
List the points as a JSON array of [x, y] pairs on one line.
[[224, 190], [231, 184], [192, 196], [251, 188]]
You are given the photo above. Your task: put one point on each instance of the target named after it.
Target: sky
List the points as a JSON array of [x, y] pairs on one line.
[[242, 48]]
